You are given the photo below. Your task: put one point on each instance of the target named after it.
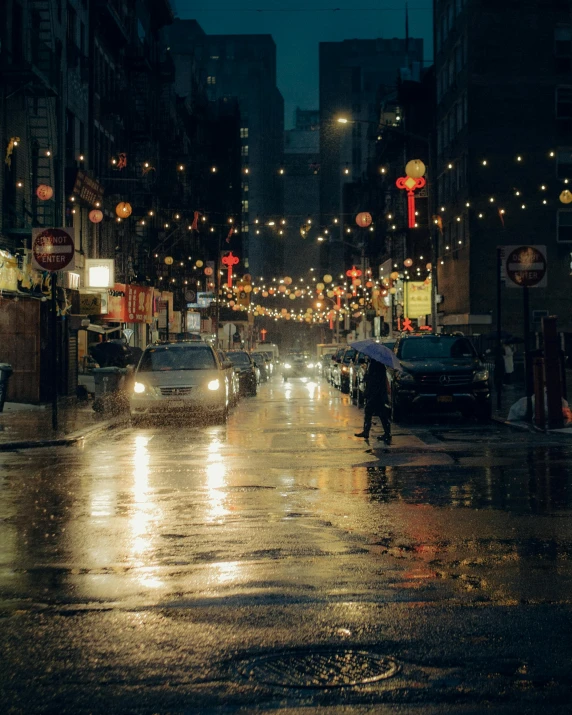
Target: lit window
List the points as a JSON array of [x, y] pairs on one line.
[[244, 132], [211, 80], [244, 150], [244, 206]]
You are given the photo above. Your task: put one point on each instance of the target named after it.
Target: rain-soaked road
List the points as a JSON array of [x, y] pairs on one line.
[[273, 563]]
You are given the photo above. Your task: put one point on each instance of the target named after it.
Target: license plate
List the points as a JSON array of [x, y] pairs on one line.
[[176, 402], [444, 398]]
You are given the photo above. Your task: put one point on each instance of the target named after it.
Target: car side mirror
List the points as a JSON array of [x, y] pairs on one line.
[[226, 364]]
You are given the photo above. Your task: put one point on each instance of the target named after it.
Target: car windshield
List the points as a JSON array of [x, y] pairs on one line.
[[435, 347], [171, 357], [238, 358], [349, 355]]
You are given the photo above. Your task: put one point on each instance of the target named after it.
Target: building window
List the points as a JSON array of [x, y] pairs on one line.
[[245, 186], [244, 150], [563, 49], [244, 204], [214, 57], [211, 80], [564, 102], [564, 164], [564, 226], [244, 227], [244, 132]]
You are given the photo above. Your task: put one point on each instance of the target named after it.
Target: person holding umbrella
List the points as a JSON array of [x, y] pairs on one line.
[[376, 401], [375, 393]]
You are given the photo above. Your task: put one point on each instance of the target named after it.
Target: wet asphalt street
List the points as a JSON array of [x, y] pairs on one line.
[[281, 564]]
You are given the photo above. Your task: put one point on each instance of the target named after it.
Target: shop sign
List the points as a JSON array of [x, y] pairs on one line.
[[417, 298], [193, 322], [8, 271], [89, 303], [115, 303], [87, 189], [139, 302]]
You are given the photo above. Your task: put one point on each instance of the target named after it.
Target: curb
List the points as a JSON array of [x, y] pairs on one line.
[[531, 428], [72, 438]]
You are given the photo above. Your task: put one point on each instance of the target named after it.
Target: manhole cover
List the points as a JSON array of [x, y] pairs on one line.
[[319, 669]]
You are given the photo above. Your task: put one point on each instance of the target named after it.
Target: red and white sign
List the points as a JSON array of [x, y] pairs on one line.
[[53, 249], [524, 266]]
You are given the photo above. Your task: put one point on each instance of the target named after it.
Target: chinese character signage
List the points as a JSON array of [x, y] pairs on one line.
[[139, 308], [417, 298]]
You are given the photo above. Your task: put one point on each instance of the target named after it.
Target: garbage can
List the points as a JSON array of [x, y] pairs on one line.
[[110, 395], [5, 372]]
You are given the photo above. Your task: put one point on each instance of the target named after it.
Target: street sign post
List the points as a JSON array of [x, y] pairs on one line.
[[526, 267], [53, 250]]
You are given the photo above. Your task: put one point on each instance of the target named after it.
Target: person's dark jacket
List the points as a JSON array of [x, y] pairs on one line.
[[375, 391]]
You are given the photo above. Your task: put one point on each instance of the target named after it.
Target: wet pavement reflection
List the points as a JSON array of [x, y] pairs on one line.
[[285, 523]]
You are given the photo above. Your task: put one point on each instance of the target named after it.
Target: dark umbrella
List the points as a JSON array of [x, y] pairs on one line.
[[110, 354], [377, 351]]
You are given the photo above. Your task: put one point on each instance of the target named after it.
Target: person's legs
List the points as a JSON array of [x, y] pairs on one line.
[[367, 417], [385, 417]]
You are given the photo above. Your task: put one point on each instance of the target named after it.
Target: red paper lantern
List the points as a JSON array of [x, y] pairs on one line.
[[123, 209], [408, 262], [44, 192], [96, 216], [364, 219]]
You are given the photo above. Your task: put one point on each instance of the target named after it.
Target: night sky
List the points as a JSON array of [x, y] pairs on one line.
[[297, 30]]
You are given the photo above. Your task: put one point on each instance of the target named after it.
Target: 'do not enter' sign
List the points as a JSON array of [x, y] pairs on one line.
[[53, 249]]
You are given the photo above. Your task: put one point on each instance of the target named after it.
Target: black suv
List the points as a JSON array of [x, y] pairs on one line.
[[439, 371]]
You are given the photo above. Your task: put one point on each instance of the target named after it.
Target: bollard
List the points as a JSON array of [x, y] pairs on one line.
[[539, 413], [552, 372]]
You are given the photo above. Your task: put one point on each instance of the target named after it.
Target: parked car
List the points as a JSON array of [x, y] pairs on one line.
[[261, 362], [333, 366], [181, 380], [235, 382], [357, 369], [323, 363], [440, 371], [245, 370], [341, 371]]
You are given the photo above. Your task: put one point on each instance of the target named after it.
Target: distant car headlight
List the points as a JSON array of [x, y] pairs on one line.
[[404, 377], [287, 365], [310, 365], [481, 376], [139, 388], [214, 385]]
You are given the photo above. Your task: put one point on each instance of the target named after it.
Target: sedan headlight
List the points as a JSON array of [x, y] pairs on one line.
[[287, 365], [404, 377], [214, 385], [139, 388], [481, 376]]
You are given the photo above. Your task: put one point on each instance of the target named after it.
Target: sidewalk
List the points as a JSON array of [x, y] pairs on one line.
[[511, 394], [25, 426]]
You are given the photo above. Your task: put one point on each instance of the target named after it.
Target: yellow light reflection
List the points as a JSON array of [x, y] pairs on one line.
[[144, 517], [216, 480]]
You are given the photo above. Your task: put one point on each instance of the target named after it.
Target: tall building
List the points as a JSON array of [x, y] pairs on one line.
[[504, 124], [355, 77], [243, 68], [302, 193]]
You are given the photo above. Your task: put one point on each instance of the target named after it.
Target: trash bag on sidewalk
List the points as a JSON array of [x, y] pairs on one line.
[[517, 412]]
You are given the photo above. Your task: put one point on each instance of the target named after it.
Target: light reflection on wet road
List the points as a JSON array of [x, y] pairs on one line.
[[283, 530]]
